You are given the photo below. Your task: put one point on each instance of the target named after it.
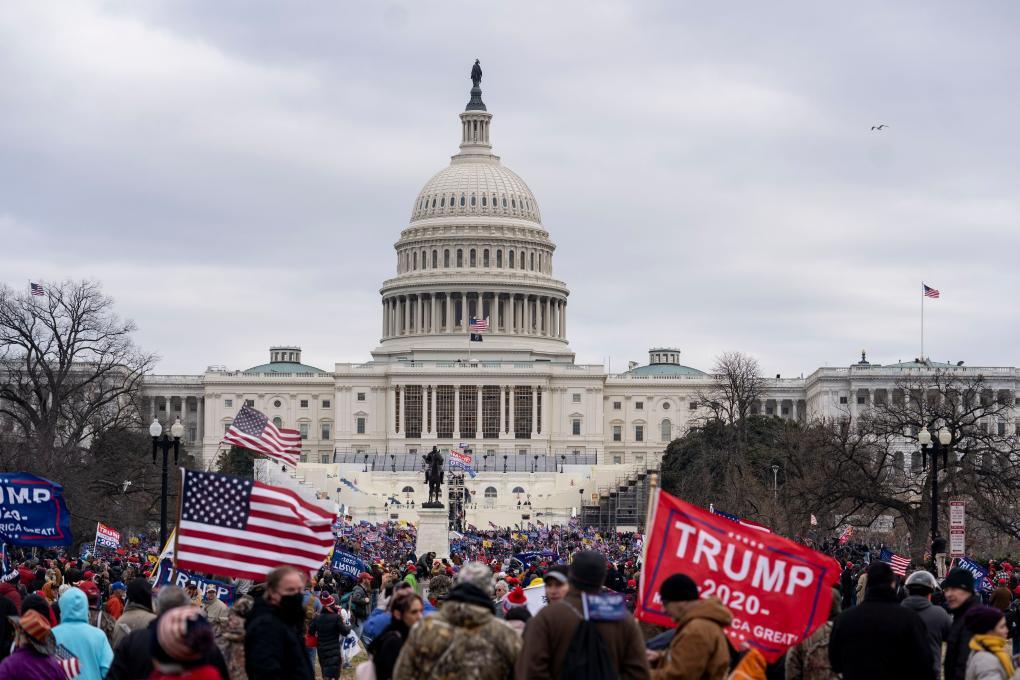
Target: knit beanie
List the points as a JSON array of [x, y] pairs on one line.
[[678, 588], [182, 634], [982, 619], [959, 578], [588, 570], [880, 576], [140, 592]]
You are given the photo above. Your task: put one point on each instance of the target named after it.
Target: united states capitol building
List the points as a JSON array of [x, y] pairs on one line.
[[546, 435]]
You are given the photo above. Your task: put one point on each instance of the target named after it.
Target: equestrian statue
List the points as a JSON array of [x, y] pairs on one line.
[[433, 466]]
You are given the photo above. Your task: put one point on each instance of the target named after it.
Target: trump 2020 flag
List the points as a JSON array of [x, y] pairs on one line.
[[461, 461], [778, 591], [33, 511], [106, 537]]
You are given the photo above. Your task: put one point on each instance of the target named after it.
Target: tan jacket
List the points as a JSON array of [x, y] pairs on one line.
[[547, 638], [699, 650]]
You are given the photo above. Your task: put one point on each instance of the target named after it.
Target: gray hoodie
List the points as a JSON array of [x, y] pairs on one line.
[[937, 621]]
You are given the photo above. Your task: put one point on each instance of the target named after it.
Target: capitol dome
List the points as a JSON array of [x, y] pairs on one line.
[[475, 259]]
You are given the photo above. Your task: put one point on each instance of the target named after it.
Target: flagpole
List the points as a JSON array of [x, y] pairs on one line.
[[653, 503], [180, 510], [922, 321], [95, 543]]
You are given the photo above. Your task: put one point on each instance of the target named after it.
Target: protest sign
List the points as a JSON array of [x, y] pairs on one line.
[[106, 537], [33, 511], [180, 577], [981, 581], [778, 591], [346, 563], [527, 557]]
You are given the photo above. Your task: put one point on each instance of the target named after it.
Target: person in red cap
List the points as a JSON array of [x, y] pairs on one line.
[[361, 600]]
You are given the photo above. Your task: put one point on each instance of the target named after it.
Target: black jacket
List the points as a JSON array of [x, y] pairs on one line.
[[7, 608], [386, 648], [132, 658], [879, 639], [958, 643], [329, 628], [273, 649]]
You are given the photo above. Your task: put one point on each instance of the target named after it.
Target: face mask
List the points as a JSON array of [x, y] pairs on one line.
[[291, 607]]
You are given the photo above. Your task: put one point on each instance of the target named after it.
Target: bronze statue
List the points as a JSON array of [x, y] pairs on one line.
[[476, 74], [433, 464]]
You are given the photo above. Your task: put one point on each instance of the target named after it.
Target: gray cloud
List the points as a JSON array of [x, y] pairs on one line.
[[237, 172]]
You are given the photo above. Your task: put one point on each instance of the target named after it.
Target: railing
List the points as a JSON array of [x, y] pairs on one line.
[[507, 461], [168, 379], [594, 369]]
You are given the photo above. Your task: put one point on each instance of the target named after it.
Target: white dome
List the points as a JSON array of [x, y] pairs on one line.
[[479, 188]]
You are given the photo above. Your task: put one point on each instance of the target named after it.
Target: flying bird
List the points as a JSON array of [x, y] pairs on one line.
[[879, 127]]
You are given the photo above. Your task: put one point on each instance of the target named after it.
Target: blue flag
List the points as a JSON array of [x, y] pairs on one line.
[[33, 511], [346, 563], [980, 573]]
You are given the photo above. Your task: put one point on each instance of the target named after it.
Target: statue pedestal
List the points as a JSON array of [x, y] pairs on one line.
[[433, 532]]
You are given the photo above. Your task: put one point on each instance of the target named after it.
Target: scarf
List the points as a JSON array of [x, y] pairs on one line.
[[997, 646]]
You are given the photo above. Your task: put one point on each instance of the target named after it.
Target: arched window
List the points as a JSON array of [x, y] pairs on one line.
[[407, 489], [278, 421], [446, 258], [442, 202], [499, 258], [472, 200], [471, 258], [513, 203], [485, 257], [484, 202], [460, 257], [518, 489], [462, 200], [510, 258], [666, 430], [424, 259], [414, 260], [520, 260], [532, 267], [435, 259], [504, 201], [490, 492], [433, 201]]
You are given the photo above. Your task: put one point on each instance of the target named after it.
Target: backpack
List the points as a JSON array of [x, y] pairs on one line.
[[586, 655]]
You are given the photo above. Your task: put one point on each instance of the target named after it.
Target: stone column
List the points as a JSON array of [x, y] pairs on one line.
[[456, 412], [563, 319], [540, 308], [534, 412], [435, 314], [403, 410], [424, 409], [512, 431], [478, 412], [384, 320], [200, 430], [402, 302], [495, 312], [502, 410], [464, 312], [449, 313], [435, 413], [548, 317]]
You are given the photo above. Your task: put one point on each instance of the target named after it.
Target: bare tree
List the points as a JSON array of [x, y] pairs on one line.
[[874, 464], [737, 385], [69, 374]]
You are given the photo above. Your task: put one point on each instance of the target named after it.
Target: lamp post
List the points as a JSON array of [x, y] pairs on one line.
[[162, 442], [924, 438], [775, 482]]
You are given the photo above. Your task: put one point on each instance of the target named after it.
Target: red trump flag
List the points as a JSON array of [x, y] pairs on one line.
[[778, 591]]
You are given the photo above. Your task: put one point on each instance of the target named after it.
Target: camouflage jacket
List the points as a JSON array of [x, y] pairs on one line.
[[462, 642], [809, 660]]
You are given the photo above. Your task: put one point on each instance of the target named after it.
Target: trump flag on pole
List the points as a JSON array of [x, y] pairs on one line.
[[107, 537], [778, 591]]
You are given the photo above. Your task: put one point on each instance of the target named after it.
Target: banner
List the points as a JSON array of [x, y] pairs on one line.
[[980, 573], [33, 511], [346, 563], [106, 537], [526, 557], [461, 461], [778, 591], [180, 577]]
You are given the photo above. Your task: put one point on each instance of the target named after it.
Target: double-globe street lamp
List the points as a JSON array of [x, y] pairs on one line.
[[160, 441], [940, 443]]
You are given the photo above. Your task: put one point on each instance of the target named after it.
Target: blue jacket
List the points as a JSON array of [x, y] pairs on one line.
[[85, 641]]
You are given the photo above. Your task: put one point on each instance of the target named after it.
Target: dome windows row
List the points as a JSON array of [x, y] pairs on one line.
[[453, 203], [520, 259]]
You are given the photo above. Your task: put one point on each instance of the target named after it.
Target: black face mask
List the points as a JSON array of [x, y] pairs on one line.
[[292, 608]]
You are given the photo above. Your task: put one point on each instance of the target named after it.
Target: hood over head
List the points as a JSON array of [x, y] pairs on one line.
[[710, 609], [74, 606]]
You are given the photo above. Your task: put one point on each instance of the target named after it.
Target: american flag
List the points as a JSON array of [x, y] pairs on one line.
[[929, 291], [493, 525], [846, 535], [253, 430], [478, 325], [37, 288], [743, 522], [899, 564], [242, 528], [68, 662]]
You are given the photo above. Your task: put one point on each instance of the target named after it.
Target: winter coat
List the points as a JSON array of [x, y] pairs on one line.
[[548, 635], [846, 585], [879, 639], [135, 617], [274, 649], [233, 637], [25, 663], [385, 649], [361, 601], [699, 649], [958, 643], [216, 612], [328, 627], [986, 666], [809, 660], [132, 659], [7, 608], [463, 640], [937, 623], [11, 593], [89, 644]]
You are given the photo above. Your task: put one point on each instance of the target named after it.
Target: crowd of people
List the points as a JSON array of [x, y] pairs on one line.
[[508, 603]]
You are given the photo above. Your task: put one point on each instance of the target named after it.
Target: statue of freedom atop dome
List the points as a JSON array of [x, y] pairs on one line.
[[476, 74]]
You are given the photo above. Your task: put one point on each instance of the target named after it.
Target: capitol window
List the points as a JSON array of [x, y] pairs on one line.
[[277, 403], [472, 200], [303, 427], [304, 403], [250, 403], [462, 200], [485, 257], [617, 405], [278, 421], [228, 403], [326, 430], [435, 259], [639, 405], [460, 257], [442, 202], [446, 258], [513, 204], [483, 201], [490, 492], [471, 258], [504, 201], [325, 403], [639, 433], [361, 396], [575, 426], [499, 258], [617, 433], [433, 201], [576, 397], [510, 259], [360, 426]]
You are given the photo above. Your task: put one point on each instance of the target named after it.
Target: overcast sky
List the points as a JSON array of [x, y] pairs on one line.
[[236, 173]]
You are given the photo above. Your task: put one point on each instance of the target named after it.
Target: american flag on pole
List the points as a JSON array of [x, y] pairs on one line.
[[846, 535], [743, 522], [899, 564], [242, 528], [461, 461], [478, 325], [36, 288], [929, 291], [253, 430]]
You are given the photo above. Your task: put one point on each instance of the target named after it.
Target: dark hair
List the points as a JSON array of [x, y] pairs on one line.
[[402, 602]]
